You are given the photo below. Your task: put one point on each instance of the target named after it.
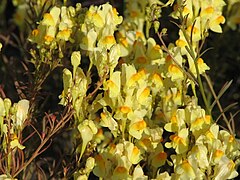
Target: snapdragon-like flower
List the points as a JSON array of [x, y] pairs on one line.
[[164, 176], [179, 141], [225, 169], [137, 124], [21, 113], [132, 152], [230, 144], [199, 154], [200, 16], [114, 84], [185, 170], [138, 173], [176, 122], [122, 169], [108, 121], [154, 51], [173, 69], [87, 129], [15, 143]]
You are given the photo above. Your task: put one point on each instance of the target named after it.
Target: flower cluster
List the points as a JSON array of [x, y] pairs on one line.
[[98, 40], [134, 102], [143, 97], [54, 33], [201, 148], [12, 121]]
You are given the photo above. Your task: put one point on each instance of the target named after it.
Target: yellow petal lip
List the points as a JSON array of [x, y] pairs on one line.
[[111, 84], [48, 19], [181, 43], [220, 20], [173, 69], [136, 150], [208, 11], [125, 109], [218, 153], [48, 38], [140, 125], [35, 32], [145, 93], [64, 34], [195, 30], [109, 40]]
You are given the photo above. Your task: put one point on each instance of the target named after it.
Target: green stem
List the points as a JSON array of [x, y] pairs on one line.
[[191, 52]]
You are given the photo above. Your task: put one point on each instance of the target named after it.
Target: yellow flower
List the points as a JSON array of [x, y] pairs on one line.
[[21, 113], [120, 172], [52, 18], [48, 19], [48, 38], [89, 40], [215, 24], [109, 122], [174, 72], [35, 32], [217, 155], [136, 128], [157, 80], [194, 31], [107, 42], [140, 125], [64, 34], [139, 35], [164, 176], [125, 109], [97, 20], [199, 154], [138, 173], [212, 134], [207, 11], [181, 43], [113, 84], [185, 170], [101, 167], [225, 169], [177, 121], [140, 75], [145, 143], [87, 130], [132, 152], [179, 141], [15, 143], [143, 95]]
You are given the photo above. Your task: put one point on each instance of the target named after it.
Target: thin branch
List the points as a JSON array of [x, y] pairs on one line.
[[188, 73], [39, 150], [218, 103]]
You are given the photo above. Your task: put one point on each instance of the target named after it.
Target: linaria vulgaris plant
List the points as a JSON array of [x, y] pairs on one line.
[[130, 100]]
